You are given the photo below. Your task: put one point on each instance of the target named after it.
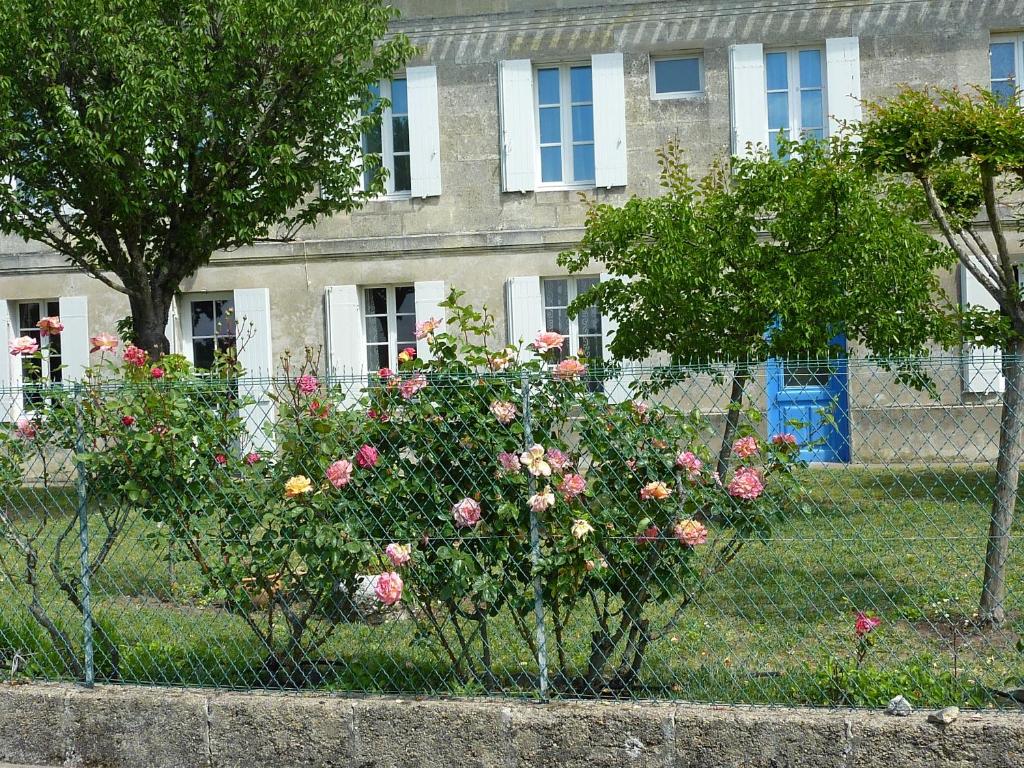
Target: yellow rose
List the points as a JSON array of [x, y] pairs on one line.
[[296, 486]]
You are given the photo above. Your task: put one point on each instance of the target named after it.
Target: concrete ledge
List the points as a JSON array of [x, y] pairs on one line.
[[123, 727]]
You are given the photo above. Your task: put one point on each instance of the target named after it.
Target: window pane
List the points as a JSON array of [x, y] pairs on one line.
[[28, 316], [812, 113], [583, 123], [403, 174], [372, 144], [376, 300], [589, 321], [813, 133], [202, 353], [581, 84], [810, 69], [225, 317], [399, 97], [583, 162], [592, 348], [585, 283], [1004, 91], [813, 375], [53, 344], [400, 132], [225, 343], [405, 325], [551, 164], [556, 320], [773, 142], [677, 75], [550, 125], [778, 110], [775, 71], [1001, 60], [547, 86], [376, 329], [377, 357], [405, 300], [53, 308], [556, 293], [56, 375], [202, 318]]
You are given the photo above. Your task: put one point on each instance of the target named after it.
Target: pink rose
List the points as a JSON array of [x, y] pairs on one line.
[[572, 486], [865, 624], [252, 458], [689, 463], [558, 460], [385, 373], [135, 356], [50, 326], [374, 415], [426, 328], [25, 428], [690, 533], [389, 588], [398, 554], [570, 369], [411, 386], [466, 513], [319, 410], [746, 483], [23, 345], [784, 440], [307, 384], [509, 463], [548, 340], [339, 474], [649, 534], [221, 459], [367, 456], [640, 408], [103, 342], [156, 372], [407, 355], [503, 411], [745, 447], [128, 421]]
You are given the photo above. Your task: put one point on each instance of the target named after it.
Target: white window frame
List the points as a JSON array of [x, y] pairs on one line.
[[654, 59], [387, 142], [565, 105], [392, 320], [794, 90], [1017, 38], [574, 322], [185, 318]]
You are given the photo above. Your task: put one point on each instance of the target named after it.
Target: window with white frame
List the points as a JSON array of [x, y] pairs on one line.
[[796, 94], [46, 368], [584, 331], [389, 142], [208, 327], [679, 76], [1006, 60], [565, 125], [389, 314]]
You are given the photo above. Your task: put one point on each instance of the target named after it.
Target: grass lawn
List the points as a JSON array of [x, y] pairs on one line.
[[905, 544]]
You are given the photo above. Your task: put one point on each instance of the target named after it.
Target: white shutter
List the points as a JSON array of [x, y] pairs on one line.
[[255, 354], [74, 339], [609, 120], [10, 367], [842, 72], [424, 132], [524, 309], [617, 388], [429, 295], [748, 99], [983, 366], [518, 136], [172, 330], [346, 345]]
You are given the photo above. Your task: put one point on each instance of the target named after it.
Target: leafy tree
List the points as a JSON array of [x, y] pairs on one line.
[[765, 257], [140, 136], [966, 152]]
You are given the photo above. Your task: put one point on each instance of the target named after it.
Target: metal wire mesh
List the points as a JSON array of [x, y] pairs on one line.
[[237, 535]]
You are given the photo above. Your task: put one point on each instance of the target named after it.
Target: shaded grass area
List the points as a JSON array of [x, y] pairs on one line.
[[776, 627]]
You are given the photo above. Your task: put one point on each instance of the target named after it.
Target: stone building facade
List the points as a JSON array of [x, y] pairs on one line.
[[511, 110]]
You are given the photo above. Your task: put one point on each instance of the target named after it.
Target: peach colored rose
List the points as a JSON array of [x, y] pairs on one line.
[[103, 342], [427, 328], [690, 533], [548, 340], [542, 501], [398, 554], [50, 326], [746, 484], [23, 345], [656, 491], [745, 447], [504, 411], [558, 460], [409, 387], [534, 462], [569, 368], [389, 588], [407, 355], [297, 486]]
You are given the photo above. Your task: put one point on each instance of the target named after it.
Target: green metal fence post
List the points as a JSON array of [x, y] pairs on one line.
[[81, 488], [538, 586]]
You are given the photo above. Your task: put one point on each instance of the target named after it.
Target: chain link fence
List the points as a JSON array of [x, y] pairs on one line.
[[516, 534]]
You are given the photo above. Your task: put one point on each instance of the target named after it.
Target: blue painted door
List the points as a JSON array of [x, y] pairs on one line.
[[811, 400]]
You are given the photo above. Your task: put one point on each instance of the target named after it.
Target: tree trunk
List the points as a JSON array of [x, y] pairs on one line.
[[732, 418], [149, 322], [1011, 453]]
